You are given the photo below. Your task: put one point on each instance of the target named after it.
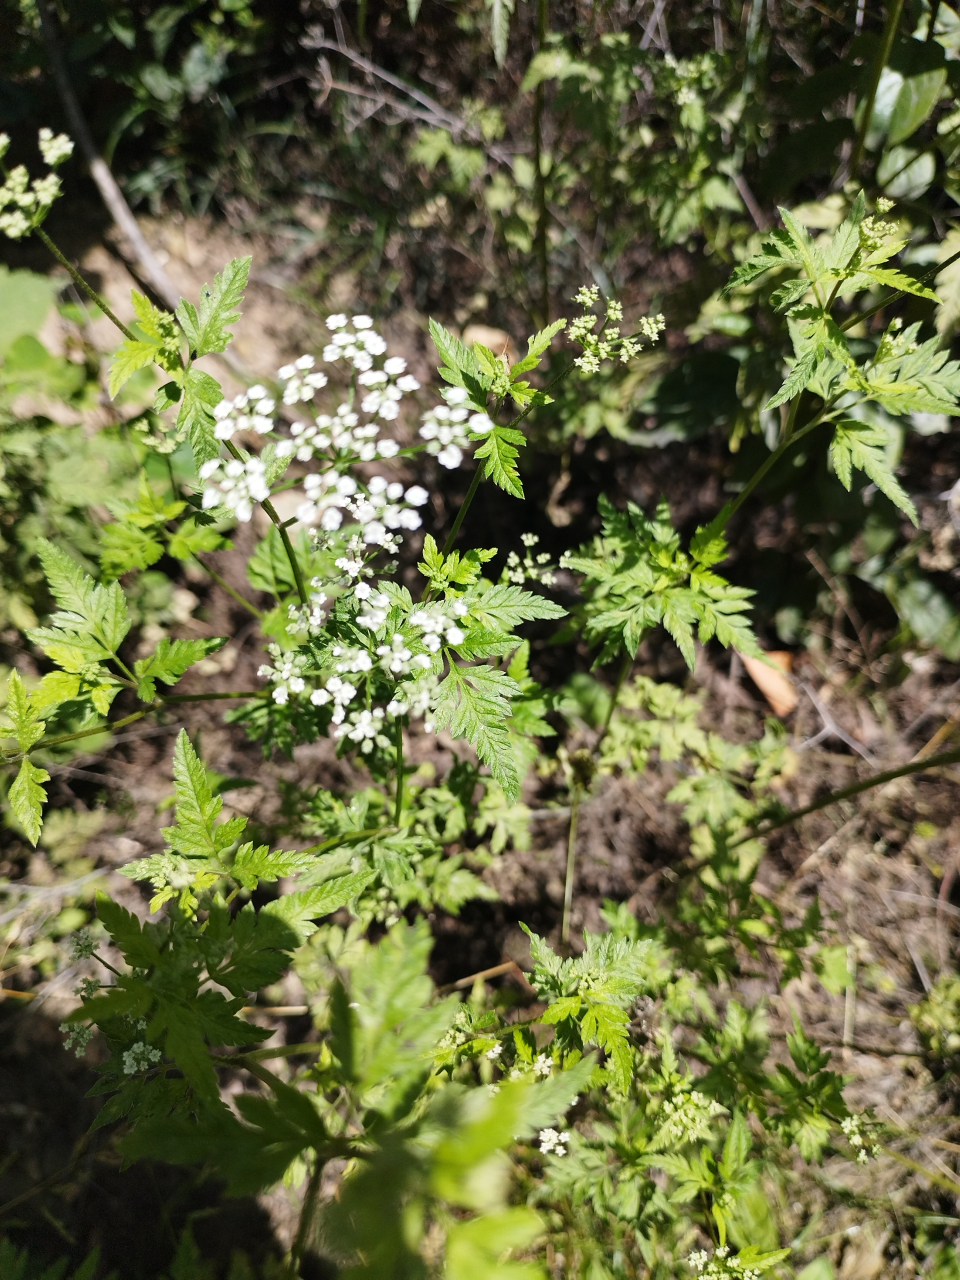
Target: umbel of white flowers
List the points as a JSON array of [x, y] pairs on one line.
[[25, 204]]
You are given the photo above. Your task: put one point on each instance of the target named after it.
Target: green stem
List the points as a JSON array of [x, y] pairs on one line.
[[625, 666], [109, 727], [213, 697], [934, 15], [883, 53], [78, 280], [771, 461], [398, 808], [240, 599], [271, 511], [334, 841], [307, 1212], [464, 508], [125, 669], [571, 863], [899, 293], [288, 548], [279, 1051], [764, 827]]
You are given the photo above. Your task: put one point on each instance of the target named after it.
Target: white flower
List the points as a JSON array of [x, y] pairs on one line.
[[407, 383], [481, 423], [553, 1142], [54, 149], [450, 457], [688, 1117], [14, 225], [140, 1057], [395, 365], [336, 322], [235, 484], [494, 1053], [46, 190], [543, 1065], [415, 495], [362, 322]]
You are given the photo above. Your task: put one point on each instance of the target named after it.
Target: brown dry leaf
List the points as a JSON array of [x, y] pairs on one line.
[[774, 682]]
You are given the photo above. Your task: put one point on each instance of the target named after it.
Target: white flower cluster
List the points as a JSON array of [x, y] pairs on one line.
[[343, 432], [140, 1057], [435, 623], [300, 383], [379, 511], [54, 149], [287, 676], [531, 568], [23, 204], [234, 484], [853, 1128], [247, 412], [543, 1065], [447, 428], [688, 1117], [609, 343], [493, 1054], [415, 697], [554, 1143], [356, 342], [76, 1037], [721, 1265], [82, 945], [365, 728], [309, 617]]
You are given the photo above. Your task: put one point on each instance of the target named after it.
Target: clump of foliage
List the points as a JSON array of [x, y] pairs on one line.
[[465, 1140]]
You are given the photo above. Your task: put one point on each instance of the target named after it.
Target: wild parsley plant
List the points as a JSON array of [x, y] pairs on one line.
[[461, 1136]]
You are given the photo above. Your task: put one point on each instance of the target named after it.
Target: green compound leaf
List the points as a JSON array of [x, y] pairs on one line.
[[903, 283], [201, 394], [169, 661], [138, 948], [251, 865], [27, 725], [857, 444], [27, 798], [501, 455], [206, 328], [125, 547], [504, 606], [129, 357], [802, 372], [478, 1247], [299, 910], [196, 832], [88, 609], [473, 703], [191, 538]]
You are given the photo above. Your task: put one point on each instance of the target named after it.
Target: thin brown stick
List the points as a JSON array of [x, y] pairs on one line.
[[508, 966], [111, 194], [764, 828], [842, 598]]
